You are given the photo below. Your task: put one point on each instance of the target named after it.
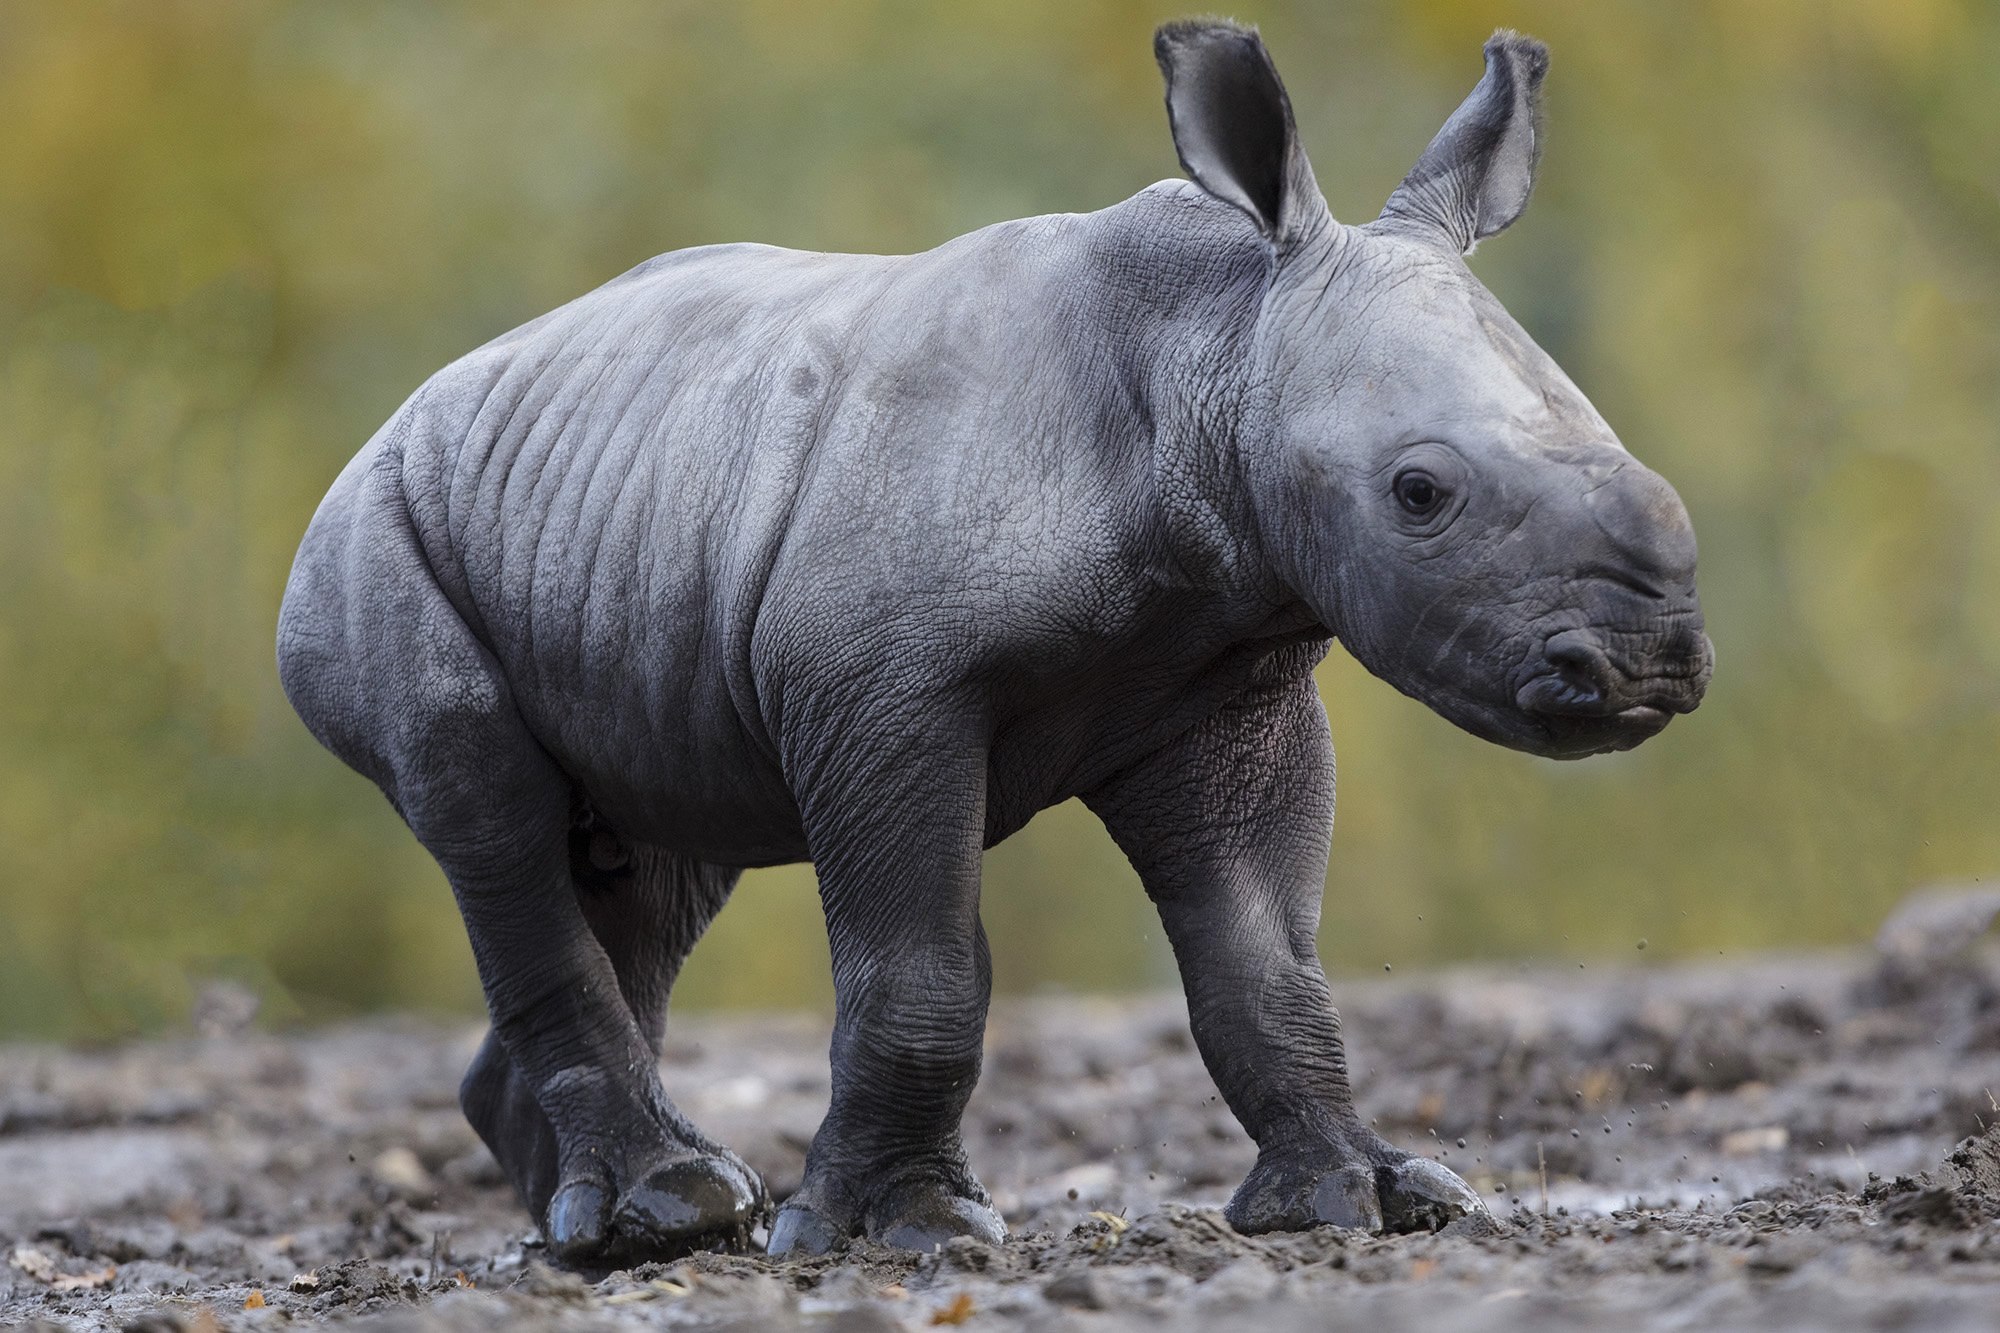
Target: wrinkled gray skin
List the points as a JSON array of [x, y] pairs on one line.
[[753, 556]]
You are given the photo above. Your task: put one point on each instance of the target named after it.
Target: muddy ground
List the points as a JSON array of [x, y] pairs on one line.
[[1782, 1143]]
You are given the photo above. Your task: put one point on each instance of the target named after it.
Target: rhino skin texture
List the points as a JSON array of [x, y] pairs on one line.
[[755, 556]]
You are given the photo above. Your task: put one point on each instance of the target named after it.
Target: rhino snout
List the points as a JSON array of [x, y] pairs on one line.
[[1579, 682], [1640, 657]]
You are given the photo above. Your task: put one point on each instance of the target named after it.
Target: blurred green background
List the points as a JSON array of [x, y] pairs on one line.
[[234, 236]]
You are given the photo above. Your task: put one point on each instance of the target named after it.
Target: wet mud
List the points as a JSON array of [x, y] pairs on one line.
[[1777, 1143]]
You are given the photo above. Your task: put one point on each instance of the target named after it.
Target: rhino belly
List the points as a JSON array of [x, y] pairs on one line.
[[654, 741]]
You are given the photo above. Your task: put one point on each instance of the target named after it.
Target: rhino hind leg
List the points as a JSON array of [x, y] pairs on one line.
[[389, 677], [647, 910], [567, 1092]]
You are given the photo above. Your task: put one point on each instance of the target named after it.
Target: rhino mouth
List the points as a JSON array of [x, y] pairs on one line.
[[1559, 696], [1577, 736], [1579, 679], [1575, 701], [1584, 703]]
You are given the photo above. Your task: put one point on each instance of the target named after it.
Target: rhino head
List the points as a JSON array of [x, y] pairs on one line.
[[1421, 474]]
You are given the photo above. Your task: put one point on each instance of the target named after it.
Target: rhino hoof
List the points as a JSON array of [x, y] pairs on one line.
[[929, 1221], [1384, 1190], [578, 1222], [686, 1201], [802, 1233], [1419, 1195], [1346, 1198]]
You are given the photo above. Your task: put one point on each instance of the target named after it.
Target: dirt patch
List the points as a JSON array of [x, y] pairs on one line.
[[1782, 1143]]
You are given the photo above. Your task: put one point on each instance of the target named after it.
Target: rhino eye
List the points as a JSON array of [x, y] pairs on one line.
[[1418, 492]]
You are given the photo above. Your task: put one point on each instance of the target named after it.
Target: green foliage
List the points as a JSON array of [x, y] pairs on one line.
[[235, 235]]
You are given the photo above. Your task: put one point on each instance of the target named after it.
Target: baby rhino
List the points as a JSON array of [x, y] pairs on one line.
[[754, 556]]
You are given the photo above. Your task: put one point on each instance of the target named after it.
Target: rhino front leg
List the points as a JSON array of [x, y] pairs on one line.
[[1229, 829], [896, 833]]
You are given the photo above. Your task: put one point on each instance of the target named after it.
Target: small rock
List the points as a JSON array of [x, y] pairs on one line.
[[474, 1167], [1091, 1180], [1244, 1282], [1079, 1289], [225, 1008], [969, 1254], [1749, 1142], [151, 1276], [864, 1319], [1480, 1225], [398, 1171], [1935, 923], [553, 1283]]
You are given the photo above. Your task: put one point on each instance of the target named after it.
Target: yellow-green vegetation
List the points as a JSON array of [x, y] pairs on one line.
[[233, 236]]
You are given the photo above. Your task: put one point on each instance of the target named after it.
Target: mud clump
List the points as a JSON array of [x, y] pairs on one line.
[[1976, 1163], [1962, 1192], [1776, 1144]]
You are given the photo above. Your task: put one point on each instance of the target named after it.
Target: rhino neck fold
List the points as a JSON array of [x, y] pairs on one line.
[[1184, 329]]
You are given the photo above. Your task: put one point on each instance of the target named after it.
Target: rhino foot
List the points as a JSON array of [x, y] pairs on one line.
[[1379, 1190], [917, 1212], [802, 1231], [662, 1194], [691, 1201]]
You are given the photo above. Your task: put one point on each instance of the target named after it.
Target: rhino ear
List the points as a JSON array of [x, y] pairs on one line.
[[1475, 177], [1232, 126]]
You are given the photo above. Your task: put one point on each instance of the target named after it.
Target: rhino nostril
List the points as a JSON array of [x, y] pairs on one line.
[[1579, 661], [1575, 678]]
